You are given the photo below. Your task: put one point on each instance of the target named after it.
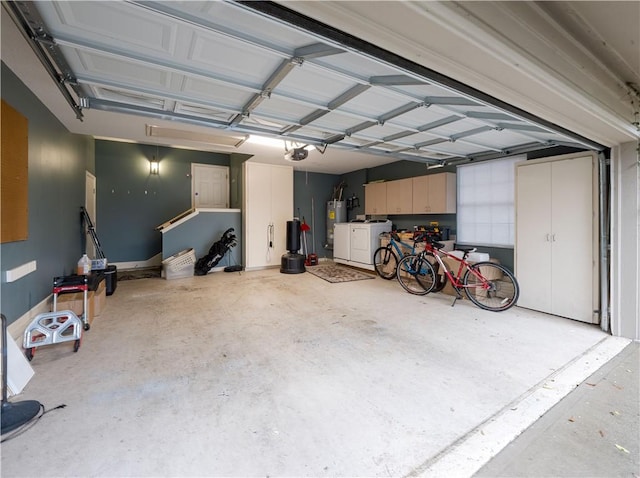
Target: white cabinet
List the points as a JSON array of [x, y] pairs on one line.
[[267, 206], [556, 236]]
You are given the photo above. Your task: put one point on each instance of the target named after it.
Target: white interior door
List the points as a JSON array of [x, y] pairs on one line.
[[90, 207], [210, 186]]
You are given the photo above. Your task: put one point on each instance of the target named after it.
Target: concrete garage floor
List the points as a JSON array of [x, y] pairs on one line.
[[269, 374]]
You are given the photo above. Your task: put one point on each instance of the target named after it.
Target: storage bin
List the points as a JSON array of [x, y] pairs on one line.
[[473, 256], [478, 257], [99, 264], [179, 265], [111, 278]]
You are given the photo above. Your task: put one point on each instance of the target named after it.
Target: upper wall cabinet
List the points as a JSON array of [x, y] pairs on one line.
[[434, 194], [375, 198], [400, 196], [430, 194]]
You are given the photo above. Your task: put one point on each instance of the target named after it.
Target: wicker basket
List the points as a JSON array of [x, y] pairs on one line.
[[179, 265]]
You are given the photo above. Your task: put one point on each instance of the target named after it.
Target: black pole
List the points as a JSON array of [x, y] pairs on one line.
[[14, 415]]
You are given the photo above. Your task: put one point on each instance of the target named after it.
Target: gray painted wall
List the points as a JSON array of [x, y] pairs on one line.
[[405, 169], [57, 164], [316, 187], [201, 231], [131, 202]]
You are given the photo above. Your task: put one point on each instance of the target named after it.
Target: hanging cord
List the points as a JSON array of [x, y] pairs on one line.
[[30, 423], [269, 241]]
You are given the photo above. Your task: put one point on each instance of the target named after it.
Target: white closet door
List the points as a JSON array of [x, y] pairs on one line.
[[268, 205], [572, 239], [257, 214], [533, 236], [281, 209]]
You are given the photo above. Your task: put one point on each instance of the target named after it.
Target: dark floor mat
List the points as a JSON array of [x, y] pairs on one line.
[[142, 273]]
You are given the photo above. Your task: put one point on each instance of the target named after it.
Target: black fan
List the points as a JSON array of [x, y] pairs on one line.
[[14, 415]]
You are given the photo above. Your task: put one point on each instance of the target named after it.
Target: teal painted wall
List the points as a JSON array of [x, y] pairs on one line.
[[58, 161], [131, 202]]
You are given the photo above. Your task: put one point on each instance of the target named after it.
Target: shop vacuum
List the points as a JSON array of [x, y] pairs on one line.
[[292, 262]]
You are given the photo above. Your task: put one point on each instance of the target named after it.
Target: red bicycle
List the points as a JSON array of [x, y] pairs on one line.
[[488, 285]]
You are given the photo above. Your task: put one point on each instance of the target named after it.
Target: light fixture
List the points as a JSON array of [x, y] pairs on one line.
[[441, 164], [265, 141], [154, 164]]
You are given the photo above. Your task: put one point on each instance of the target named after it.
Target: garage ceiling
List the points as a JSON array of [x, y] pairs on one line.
[[229, 69]]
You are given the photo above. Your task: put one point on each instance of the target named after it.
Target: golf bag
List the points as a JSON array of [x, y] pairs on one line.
[[216, 252]]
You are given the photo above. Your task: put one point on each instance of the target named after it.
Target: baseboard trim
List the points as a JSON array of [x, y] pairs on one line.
[[16, 328], [155, 261]]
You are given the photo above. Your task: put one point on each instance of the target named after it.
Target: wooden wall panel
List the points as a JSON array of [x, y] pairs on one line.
[[14, 175]]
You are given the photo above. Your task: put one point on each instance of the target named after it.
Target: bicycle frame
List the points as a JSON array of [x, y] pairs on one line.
[[396, 242], [456, 281]]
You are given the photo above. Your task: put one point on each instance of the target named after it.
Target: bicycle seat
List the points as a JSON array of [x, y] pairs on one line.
[[466, 250], [437, 245]]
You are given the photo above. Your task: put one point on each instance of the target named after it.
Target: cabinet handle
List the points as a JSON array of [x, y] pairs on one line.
[[553, 238], [547, 237]]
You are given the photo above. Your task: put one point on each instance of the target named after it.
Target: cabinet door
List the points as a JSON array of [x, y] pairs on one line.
[[400, 196], [268, 205], [256, 214], [533, 236], [281, 209], [555, 238], [434, 194], [572, 239], [375, 198], [420, 188], [442, 193]]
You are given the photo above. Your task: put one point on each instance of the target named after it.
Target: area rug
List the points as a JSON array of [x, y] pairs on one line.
[[338, 273]]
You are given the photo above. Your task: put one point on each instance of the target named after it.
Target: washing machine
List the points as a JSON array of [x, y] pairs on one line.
[[356, 241]]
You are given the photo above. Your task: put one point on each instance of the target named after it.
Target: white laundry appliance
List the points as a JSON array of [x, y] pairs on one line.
[[355, 242]]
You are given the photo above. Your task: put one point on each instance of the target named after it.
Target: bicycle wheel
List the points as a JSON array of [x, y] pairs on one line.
[[441, 279], [415, 274], [385, 261], [491, 286]]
